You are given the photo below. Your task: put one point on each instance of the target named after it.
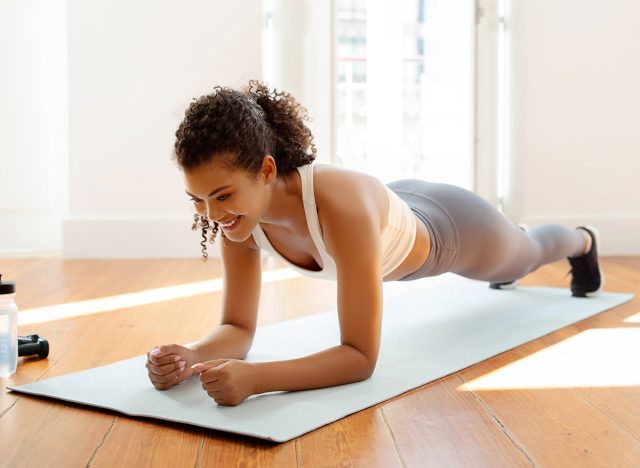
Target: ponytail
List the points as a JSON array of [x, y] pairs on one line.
[[248, 124]]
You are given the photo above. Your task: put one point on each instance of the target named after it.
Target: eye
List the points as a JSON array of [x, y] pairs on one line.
[[195, 200], [223, 197]]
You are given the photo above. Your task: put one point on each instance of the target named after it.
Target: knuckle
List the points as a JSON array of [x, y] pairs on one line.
[[164, 379]]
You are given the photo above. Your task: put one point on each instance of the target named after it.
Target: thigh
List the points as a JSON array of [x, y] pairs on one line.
[[491, 247], [487, 245]]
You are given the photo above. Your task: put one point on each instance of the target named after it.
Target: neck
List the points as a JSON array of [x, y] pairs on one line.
[[285, 197]]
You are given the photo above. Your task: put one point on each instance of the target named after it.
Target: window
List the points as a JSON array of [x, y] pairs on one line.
[[404, 100]]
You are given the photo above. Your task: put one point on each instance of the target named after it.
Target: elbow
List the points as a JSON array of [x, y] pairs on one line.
[[365, 373], [363, 364], [367, 368]]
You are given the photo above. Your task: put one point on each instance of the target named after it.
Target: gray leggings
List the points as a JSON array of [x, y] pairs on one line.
[[471, 238]]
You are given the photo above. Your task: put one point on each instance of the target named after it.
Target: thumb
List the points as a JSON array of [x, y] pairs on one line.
[[203, 366]]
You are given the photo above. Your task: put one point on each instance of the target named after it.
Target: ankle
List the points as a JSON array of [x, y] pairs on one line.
[[586, 246]]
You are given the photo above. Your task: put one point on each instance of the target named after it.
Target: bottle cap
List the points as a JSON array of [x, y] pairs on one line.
[[7, 287]]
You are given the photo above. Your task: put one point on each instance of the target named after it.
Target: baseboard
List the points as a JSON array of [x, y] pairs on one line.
[[620, 233], [31, 253], [173, 238]]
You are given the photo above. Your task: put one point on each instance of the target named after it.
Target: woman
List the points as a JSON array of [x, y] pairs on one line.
[[246, 159]]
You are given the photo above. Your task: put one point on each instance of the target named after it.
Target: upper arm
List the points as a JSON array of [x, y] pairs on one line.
[[241, 284], [352, 236]]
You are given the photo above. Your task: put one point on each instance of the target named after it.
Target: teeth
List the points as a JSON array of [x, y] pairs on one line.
[[229, 223]]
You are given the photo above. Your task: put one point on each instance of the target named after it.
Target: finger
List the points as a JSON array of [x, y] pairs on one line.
[[203, 366], [169, 359], [168, 380], [217, 397], [164, 378], [212, 386], [166, 369], [210, 377], [164, 350]]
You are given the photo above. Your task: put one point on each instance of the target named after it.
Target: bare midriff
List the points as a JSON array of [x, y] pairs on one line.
[[418, 255]]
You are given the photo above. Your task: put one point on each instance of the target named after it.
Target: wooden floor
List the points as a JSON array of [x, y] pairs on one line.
[[571, 398]]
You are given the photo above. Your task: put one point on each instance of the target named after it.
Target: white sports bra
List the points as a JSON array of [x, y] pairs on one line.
[[397, 240]]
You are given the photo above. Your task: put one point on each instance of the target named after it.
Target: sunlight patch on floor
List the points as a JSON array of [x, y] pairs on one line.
[[633, 319], [148, 296], [605, 357]]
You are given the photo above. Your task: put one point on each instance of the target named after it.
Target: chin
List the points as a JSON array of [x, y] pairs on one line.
[[237, 236]]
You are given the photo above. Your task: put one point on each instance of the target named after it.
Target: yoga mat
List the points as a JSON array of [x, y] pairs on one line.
[[427, 334]]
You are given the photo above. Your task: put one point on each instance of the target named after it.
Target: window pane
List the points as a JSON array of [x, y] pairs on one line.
[[425, 48]]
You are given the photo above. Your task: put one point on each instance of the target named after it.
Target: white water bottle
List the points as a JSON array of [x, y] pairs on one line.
[[8, 329]]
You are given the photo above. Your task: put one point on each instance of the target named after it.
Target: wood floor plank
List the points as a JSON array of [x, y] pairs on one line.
[[439, 425], [577, 425], [142, 443], [556, 426], [580, 426], [40, 433], [610, 367], [224, 450], [359, 440], [608, 375]]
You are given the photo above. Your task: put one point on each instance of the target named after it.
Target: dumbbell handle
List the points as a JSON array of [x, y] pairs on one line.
[[33, 344]]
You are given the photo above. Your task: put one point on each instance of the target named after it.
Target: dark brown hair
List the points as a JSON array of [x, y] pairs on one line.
[[248, 125]]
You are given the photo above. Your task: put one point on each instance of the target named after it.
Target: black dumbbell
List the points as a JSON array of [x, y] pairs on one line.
[[33, 344]]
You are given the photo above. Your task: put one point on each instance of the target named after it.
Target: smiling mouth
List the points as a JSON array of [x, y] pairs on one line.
[[231, 224]]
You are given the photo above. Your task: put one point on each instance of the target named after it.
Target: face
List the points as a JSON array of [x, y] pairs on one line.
[[236, 200]]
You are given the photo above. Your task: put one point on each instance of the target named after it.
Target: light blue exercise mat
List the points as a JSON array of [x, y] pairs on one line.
[[427, 334]]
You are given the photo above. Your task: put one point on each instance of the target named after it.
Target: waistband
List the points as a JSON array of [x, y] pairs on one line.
[[442, 231]]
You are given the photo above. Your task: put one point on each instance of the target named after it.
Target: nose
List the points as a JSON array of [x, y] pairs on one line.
[[213, 215]]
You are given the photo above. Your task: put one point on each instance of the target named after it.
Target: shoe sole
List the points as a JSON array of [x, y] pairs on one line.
[[512, 285], [598, 291]]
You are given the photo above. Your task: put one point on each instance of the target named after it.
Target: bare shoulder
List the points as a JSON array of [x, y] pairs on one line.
[[346, 196], [337, 188]]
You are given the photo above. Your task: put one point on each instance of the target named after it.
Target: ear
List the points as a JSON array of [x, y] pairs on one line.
[[268, 170]]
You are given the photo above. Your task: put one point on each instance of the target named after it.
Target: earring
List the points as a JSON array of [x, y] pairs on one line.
[[196, 218]]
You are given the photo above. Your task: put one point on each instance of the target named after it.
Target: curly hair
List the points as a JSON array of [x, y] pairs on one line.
[[248, 124]]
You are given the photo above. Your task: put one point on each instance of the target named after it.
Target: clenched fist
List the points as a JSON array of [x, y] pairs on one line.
[[227, 381], [168, 365]]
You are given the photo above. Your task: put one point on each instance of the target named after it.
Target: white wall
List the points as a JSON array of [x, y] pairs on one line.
[[133, 69], [134, 66], [33, 125], [576, 117], [297, 59]]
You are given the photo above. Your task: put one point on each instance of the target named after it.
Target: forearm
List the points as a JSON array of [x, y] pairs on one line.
[[335, 366], [225, 342]]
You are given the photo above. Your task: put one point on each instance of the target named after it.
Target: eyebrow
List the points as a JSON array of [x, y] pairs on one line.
[[212, 193]]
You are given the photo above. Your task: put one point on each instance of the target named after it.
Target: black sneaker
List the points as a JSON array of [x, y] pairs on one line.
[[515, 283], [587, 278]]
